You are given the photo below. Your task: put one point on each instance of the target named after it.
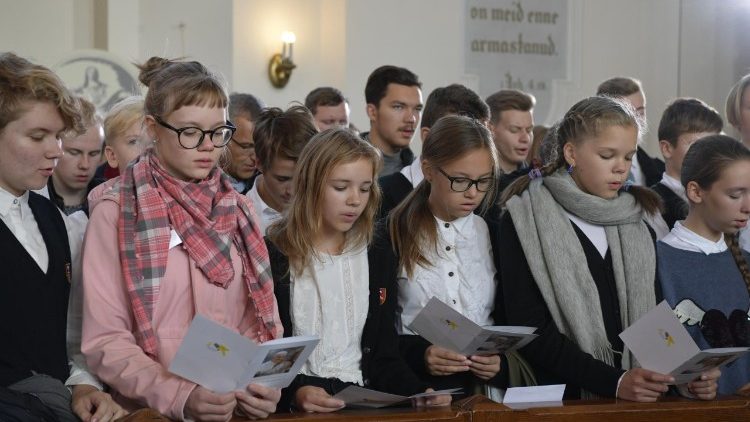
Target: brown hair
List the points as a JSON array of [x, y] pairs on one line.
[[282, 134], [688, 115], [733, 108], [173, 84], [22, 81], [411, 224], [324, 96], [703, 164], [453, 99], [89, 115], [509, 99], [619, 86], [586, 119], [295, 232]]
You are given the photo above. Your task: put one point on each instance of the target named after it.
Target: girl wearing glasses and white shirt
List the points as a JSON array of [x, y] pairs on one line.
[[170, 240], [444, 249]]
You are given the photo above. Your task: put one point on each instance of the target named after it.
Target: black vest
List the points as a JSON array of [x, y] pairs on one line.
[[675, 208], [34, 305]]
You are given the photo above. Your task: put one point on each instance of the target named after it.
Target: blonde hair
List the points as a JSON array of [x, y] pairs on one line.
[[733, 108], [121, 116], [411, 224], [295, 232], [22, 81]]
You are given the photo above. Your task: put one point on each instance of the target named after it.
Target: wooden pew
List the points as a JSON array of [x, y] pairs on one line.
[[481, 409], [666, 410]]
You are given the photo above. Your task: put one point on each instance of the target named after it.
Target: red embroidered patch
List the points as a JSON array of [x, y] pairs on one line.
[[383, 294]]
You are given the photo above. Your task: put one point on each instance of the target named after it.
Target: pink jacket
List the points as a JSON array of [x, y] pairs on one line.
[[108, 343]]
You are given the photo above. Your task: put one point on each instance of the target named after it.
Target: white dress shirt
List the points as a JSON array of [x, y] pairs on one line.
[[683, 238], [413, 172], [674, 185], [462, 274], [596, 234], [266, 215], [636, 173], [330, 299]]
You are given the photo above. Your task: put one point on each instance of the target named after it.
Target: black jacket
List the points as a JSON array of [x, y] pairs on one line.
[[675, 208], [652, 168], [382, 366], [395, 188]]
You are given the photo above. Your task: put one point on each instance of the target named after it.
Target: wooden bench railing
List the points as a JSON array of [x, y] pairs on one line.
[[481, 409]]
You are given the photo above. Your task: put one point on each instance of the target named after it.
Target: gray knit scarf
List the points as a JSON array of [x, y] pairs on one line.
[[558, 263]]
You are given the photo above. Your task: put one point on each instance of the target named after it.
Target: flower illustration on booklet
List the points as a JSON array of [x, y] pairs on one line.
[[222, 360], [443, 326]]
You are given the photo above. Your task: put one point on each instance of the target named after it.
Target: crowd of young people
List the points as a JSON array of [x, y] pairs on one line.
[[289, 222]]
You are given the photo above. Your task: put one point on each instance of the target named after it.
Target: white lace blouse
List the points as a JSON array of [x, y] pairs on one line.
[[331, 300]]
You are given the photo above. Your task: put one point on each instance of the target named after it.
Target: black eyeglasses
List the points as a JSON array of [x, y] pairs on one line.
[[191, 137], [462, 184]]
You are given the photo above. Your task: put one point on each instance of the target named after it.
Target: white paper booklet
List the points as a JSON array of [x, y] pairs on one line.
[[661, 344], [443, 326], [222, 360], [355, 396]]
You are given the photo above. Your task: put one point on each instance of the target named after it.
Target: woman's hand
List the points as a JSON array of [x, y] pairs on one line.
[[92, 405], [204, 405], [440, 361], [432, 401], [315, 399], [703, 388], [640, 384], [257, 401], [485, 367]]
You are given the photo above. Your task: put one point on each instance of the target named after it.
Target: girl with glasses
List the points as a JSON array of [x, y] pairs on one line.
[[328, 279], [443, 249], [170, 240]]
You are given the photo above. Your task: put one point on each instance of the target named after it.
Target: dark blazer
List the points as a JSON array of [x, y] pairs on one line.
[[382, 366], [652, 168], [675, 208], [395, 188], [413, 347], [34, 305]]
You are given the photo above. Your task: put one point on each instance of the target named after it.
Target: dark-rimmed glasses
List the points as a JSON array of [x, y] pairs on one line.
[[462, 184], [191, 137]]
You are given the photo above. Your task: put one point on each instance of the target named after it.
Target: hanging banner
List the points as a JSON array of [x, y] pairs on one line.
[[517, 44]]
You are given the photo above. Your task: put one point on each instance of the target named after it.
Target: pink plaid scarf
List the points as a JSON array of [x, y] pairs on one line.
[[208, 216]]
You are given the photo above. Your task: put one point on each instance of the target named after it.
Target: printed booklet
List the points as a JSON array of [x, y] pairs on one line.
[[661, 344], [222, 360], [443, 326]]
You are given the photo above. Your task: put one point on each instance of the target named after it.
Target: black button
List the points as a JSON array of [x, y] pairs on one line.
[[365, 350], [447, 248], [454, 301], [450, 274], [447, 225]]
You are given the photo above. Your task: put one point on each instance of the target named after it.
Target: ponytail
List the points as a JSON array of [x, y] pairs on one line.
[[731, 239]]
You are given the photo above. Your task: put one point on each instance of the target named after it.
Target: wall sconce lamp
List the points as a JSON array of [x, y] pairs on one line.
[[281, 65]]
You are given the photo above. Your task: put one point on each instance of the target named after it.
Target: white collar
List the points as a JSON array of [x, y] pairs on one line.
[[413, 172], [683, 238], [7, 200], [460, 225], [674, 185], [264, 208]]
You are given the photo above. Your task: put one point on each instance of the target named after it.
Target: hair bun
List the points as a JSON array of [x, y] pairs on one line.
[[151, 68]]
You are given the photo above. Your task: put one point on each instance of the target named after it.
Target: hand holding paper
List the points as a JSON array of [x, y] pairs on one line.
[[222, 360]]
